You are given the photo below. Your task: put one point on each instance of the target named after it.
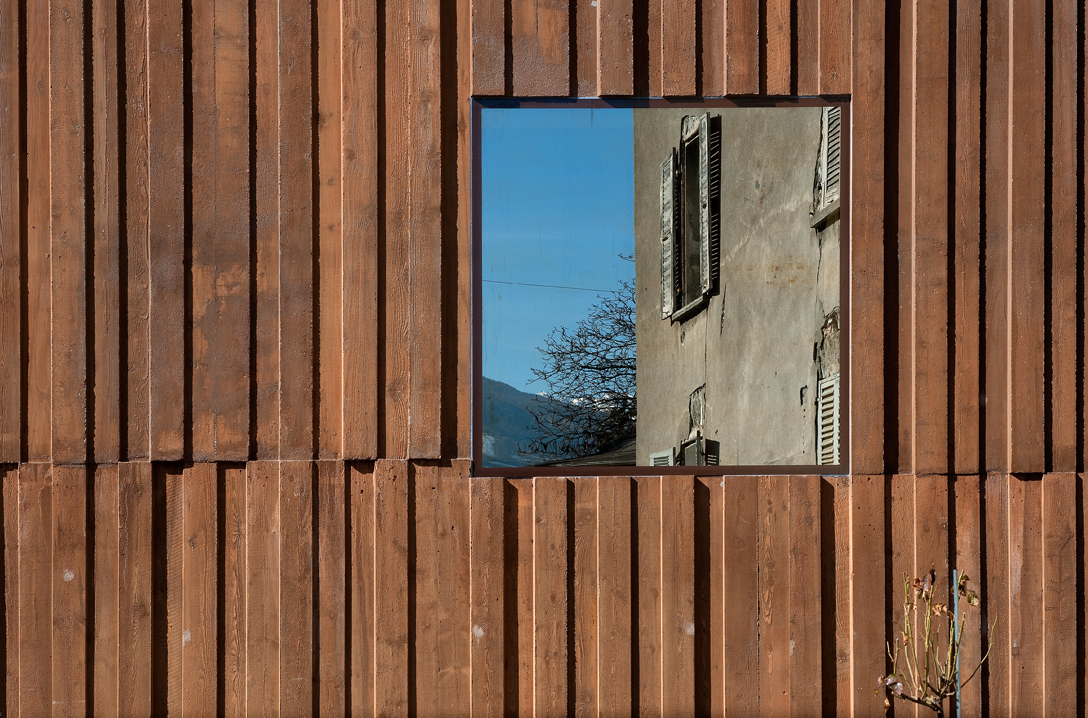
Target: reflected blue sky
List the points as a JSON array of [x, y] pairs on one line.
[[557, 210]]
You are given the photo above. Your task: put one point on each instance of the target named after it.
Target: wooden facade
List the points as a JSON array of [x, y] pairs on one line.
[[235, 365]]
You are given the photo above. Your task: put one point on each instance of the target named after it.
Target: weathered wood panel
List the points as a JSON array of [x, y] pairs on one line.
[[240, 232]]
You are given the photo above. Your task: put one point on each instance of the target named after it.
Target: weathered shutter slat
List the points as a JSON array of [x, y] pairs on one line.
[[834, 142], [828, 420], [668, 174], [704, 204]]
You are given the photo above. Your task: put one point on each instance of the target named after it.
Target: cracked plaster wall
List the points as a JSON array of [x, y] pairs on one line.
[[757, 344]]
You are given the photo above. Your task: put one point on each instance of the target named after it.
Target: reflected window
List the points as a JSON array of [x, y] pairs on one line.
[[660, 286]]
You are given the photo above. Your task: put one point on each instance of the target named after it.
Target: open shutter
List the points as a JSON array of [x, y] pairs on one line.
[[828, 420], [704, 204], [668, 234], [832, 153]]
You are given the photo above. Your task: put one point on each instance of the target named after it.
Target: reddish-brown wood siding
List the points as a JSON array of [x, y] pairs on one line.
[[235, 367]]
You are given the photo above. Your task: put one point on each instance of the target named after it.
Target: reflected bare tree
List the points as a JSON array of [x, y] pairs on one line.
[[589, 405]]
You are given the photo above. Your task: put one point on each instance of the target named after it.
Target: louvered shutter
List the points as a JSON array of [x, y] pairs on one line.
[[704, 203], [668, 234], [832, 153], [661, 458], [828, 420]]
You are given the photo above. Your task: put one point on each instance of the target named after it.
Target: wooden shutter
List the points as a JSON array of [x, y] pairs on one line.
[[827, 411], [704, 203], [831, 154], [668, 234]]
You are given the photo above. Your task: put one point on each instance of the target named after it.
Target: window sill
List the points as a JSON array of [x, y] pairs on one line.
[[689, 309], [825, 216]]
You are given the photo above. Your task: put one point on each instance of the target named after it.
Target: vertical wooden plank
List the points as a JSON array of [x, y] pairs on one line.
[[1026, 623], [360, 582], [929, 238], [296, 206], [12, 164], [296, 588], [835, 47], [134, 587], [867, 238], [584, 49], [395, 286], [806, 599], [540, 37], [442, 639], [903, 555], [489, 607], [1059, 593], [773, 559], [807, 51], [12, 624], [166, 230], [842, 585], [221, 231], [232, 535], [1062, 269], [70, 579], [997, 208], [550, 615], [648, 532], [966, 414], [677, 596], [931, 527], [458, 442], [172, 562], [35, 685], [12, 628], [741, 624], [711, 587], [203, 125], [968, 553], [68, 233], [425, 231], [1027, 83], [997, 604], [905, 245], [135, 443], [616, 602], [521, 676], [360, 230], [332, 557], [777, 43], [263, 588], [199, 584], [39, 354], [712, 38], [678, 48], [267, 229], [106, 233], [488, 47], [742, 47], [867, 590], [587, 664], [653, 47], [330, 240], [615, 48], [106, 590], [391, 507]]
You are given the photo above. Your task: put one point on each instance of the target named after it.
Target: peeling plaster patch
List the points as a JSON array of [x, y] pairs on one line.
[[68, 574]]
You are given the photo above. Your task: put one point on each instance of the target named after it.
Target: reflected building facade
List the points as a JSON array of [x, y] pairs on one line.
[[737, 286]]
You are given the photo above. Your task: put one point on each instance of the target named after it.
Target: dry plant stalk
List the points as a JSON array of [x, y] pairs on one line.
[[928, 673]]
